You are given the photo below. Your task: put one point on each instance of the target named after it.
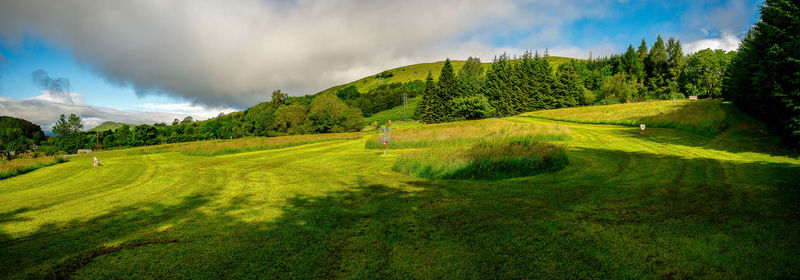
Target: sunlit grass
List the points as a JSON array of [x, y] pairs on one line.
[[668, 204], [14, 167], [248, 144], [704, 117]]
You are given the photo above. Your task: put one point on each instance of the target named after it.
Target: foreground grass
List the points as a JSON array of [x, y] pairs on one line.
[[21, 166], [704, 117], [669, 204]]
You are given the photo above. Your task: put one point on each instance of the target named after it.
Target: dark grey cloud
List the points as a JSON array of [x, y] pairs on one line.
[[236, 52], [59, 87]]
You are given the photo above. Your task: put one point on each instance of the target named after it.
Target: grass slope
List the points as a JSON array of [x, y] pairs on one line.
[[107, 126], [419, 72], [396, 113], [669, 204]]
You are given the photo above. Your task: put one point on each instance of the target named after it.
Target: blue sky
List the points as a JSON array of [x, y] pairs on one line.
[[142, 62]]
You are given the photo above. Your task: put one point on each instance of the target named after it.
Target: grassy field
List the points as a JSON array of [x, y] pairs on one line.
[[705, 117], [668, 204], [419, 72], [14, 167]]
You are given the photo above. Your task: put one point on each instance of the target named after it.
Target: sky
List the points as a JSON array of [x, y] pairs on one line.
[[152, 61]]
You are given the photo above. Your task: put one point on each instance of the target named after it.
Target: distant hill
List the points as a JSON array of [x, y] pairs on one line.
[[418, 72], [106, 126]]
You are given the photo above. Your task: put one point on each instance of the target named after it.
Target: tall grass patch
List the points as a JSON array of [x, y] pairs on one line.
[[467, 133], [703, 117], [491, 159], [21, 166]]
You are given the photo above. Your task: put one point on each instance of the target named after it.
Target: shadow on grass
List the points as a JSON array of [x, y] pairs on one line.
[[611, 215]]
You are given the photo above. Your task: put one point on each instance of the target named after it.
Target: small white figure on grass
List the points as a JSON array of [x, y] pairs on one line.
[[96, 162], [641, 127]]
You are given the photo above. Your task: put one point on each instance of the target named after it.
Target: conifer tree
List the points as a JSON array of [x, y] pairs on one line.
[[642, 51], [469, 77], [674, 66], [656, 66], [498, 85], [428, 106], [568, 87], [631, 64], [543, 76], [448, 90]]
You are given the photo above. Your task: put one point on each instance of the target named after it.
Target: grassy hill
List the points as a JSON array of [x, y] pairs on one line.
[[419, 72], [107, 125], [674, 203]]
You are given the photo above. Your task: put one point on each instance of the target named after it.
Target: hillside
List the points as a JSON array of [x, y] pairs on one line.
[[418, 72], [107, 126], [672, 203]]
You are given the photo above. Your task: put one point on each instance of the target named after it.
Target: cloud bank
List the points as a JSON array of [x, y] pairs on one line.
[[45, 109], [234, 53]]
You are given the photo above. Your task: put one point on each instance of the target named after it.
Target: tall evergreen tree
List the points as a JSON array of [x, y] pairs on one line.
[[526, 86], [631, 64], [642, 51], [764, 78], [656, 66], [426, 106], [542, 97], [498, 85], [448, 90], [674, 66], [568, 87], [469, 77]]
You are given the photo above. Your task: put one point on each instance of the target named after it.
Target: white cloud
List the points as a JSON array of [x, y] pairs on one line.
[[233, 53], [45, 109], [728, 42], [195, 110]]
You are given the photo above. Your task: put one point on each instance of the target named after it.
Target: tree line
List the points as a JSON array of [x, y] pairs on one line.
[[282, 115], [764, 79], [529, 82]]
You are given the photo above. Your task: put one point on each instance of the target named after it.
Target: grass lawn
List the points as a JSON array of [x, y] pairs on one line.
[[668, 204]]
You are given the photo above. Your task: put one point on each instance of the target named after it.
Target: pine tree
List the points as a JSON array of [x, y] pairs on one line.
[[498, 85], [428, 105], [543, 76], [674, 67], [448, 90], [469, 77], [656, 66], [568, 87], [526, 86], [642, 51], [631, 64]]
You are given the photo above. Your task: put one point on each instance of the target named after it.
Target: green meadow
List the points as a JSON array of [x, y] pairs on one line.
[[703, 194]]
